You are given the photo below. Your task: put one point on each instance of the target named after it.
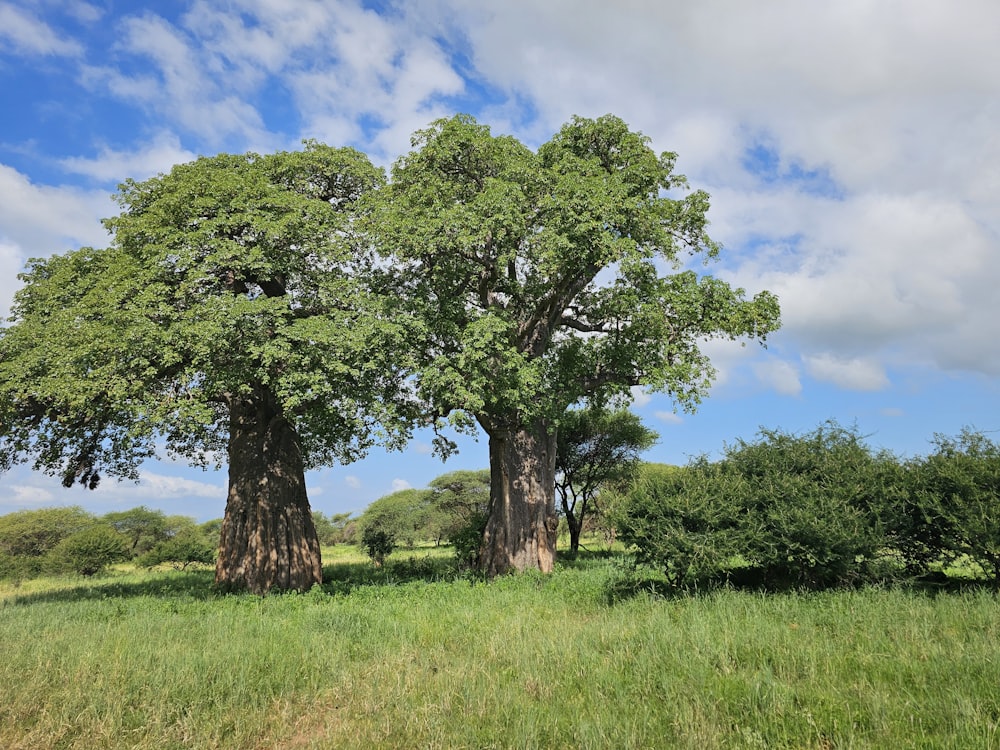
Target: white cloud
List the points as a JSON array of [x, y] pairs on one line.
[[852, 374], [27, 35], [779, 375], [639, 396], [668, 416], [27, 228], [26, 495], [160, 486], [400, 484], [353, 482], [148, 159], [421, 448]]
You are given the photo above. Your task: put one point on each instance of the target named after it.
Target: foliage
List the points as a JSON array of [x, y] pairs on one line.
[[954, 502], [145, 528], [87, 552], [786, 510], [402, 515], [336, 528], [461, 501], [539, 281], [595, 448], [232, 307], [32, 533], [378, 543], [180, 550]]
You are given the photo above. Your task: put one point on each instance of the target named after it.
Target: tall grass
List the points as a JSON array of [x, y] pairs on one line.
[[409, 657]]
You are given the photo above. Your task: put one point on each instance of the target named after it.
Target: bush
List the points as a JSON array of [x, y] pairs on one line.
[[786, 510], [32, 533], [467, 540], [87, 552], [953, 508], [378, 543], [184, 548]]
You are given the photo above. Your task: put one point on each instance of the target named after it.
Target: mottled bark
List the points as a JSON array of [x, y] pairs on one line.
[[268, 540], [522, 525]]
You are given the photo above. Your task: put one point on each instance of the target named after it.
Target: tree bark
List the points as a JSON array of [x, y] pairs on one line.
[[522, 524], [268, 540]]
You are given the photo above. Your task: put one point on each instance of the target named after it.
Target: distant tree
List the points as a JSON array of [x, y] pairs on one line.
[[402, 514], [378, 543], [229, 316], [545, 279], [32, 533], [182, 549], [461, 501], [87, 552], [142, 527], [595, 448]]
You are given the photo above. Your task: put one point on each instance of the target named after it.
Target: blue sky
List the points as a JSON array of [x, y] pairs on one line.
[[852, 151]]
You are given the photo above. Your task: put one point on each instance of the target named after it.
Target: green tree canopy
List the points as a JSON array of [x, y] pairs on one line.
[[595, 448], [228, 317], [546, 278]]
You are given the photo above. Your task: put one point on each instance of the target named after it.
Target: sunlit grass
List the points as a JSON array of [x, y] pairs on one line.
[[413, 655]]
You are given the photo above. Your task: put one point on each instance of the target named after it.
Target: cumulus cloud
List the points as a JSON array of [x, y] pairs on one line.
[[146, 160], [876, 222], [353, 482], [639, 396], [400, 484], [779, 375], [27, 228], [852, 374], [27, 495]]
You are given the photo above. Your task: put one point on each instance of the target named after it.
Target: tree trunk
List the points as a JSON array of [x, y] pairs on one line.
[[575, 527], [268, 540], [522, 524]]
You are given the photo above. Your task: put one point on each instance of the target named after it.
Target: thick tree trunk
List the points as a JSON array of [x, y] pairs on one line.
[[268, 539], [521, 529]]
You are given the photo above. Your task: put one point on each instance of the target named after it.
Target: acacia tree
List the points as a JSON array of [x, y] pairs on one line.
[[595, 448], [228, 317], [546, 278]]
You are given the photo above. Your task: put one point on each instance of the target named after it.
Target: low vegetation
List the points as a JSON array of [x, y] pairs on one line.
[[414, 654], [805, 591]]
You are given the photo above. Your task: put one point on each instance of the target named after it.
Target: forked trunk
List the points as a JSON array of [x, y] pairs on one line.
[[268, 539], [521, 529]]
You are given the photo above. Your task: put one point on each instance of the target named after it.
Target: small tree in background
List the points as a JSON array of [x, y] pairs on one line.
[[461, 502], [88, 552], [32, 533], [378, 543], [595, 448], [402, 514], [184, 548]]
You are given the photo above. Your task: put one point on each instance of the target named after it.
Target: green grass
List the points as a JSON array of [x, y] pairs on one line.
[[411, 656]]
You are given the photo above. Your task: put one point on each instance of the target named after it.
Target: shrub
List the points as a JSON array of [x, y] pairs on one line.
[[786, 510], [87, 552], [32, 533], [184, 548], [954, 502], [378, 543]]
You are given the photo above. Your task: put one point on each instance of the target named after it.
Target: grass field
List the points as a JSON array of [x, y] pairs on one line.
[[413, 656]]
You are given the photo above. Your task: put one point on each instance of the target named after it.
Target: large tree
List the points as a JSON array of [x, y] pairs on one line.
[[546, 278], [595, 448], [227, 320]]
